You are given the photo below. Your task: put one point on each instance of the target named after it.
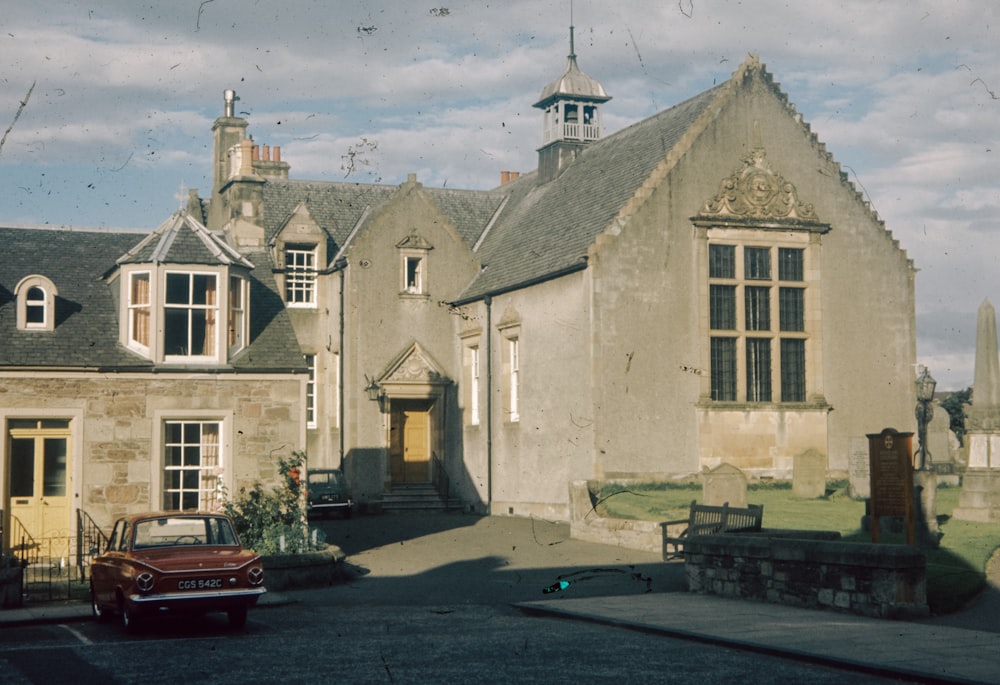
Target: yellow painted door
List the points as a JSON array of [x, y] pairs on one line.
[[417, 444], [409, 442], [39, 477]]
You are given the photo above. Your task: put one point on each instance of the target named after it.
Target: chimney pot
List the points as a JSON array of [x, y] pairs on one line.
[[267, 153], [256, 153], [277, 153]]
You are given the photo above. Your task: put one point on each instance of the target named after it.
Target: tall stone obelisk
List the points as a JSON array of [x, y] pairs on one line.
[[980, 497]]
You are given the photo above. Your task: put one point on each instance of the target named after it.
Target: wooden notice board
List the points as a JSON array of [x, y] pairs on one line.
[[890, 459]]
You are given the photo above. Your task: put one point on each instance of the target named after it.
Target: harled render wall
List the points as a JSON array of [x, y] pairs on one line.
[[115, 418]]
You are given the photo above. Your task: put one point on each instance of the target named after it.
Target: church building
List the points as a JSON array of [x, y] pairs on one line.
[[705, 286]]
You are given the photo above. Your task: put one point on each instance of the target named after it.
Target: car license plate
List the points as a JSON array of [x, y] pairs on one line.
[[200, 584]]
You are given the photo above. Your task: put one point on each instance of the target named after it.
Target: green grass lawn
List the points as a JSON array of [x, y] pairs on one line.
[[955, 571]]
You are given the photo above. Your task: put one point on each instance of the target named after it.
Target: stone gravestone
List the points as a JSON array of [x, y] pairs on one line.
[[725, 483], [809, 474], [939, 442], [860, 480]]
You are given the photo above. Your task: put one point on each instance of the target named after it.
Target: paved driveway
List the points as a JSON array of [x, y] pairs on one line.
[[451, 558]]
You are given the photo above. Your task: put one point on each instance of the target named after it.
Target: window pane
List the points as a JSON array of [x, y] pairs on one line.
[[722, 261], [34, 313], [757, 263], [175, 331], [793, 370], [724, 369], [204, 289], [722, 307], [789, 264], [758, 308], [178, 289], [758, 370], [792, 309]]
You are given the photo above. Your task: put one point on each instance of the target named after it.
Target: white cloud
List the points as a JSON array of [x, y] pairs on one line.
[[905, 95]]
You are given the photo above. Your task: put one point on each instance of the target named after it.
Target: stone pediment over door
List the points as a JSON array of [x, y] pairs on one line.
[[414, 373]]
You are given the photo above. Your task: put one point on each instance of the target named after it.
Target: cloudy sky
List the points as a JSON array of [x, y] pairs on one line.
[[905, 94]]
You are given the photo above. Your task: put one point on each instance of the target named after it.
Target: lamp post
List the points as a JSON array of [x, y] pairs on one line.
[[924, 414]]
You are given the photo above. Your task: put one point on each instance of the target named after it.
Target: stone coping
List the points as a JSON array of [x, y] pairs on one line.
[[808, 550]]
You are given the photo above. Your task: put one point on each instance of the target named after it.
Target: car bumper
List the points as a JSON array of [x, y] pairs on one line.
[[326, 506], [197, 599]]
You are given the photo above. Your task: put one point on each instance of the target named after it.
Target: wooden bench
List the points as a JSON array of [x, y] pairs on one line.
[[705, 519]]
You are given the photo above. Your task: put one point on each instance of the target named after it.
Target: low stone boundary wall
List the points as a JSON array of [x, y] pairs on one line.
[[301, 571], [883, 581], [646, 536]]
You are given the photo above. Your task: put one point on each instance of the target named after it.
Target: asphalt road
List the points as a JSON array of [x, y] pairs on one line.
[[425, 599]]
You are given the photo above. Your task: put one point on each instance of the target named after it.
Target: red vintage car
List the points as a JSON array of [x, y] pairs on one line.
[[175, 562]]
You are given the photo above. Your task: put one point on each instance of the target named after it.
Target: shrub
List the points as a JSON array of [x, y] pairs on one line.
[[275, 521]]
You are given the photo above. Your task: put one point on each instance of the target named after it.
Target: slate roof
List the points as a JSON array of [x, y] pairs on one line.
[[338, 207], [546, 229], [182, 239], [86, 330]]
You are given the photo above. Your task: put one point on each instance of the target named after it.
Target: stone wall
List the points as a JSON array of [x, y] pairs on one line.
[[883, 581]]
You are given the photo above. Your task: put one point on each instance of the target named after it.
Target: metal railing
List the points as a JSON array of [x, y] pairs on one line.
[[90, 541], [48, 562]]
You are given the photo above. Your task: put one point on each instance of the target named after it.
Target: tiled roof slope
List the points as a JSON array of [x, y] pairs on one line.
[[182, 239], [547, 229], [337, 207], [86, 330]]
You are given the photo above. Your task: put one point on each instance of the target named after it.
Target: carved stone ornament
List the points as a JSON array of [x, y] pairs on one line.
[[414, 367], [757, 192]]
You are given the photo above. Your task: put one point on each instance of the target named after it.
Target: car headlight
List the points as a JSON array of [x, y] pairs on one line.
[[144, 582], [255, 575]]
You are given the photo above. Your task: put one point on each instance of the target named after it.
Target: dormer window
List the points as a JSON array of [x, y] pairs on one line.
[[300, 275], [36, 304], [185, 295], [174, 316], [413, 254]]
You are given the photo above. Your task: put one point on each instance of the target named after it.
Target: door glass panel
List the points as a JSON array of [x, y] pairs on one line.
[[22, 467], [54, 477]]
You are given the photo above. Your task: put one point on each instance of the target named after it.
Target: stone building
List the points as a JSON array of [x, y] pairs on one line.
[[698, 288]]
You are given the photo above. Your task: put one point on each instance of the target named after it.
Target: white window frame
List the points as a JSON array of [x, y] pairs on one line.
[[474, 362], [210, 475], [238, 319], [135, 309], [312, 406], [513, 364], [301, 275], [213, 344], [22, 292]]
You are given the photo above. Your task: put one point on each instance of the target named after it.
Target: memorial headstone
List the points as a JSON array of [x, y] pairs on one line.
[[809, 474], [890, 456], [859, 483], [725, 483]]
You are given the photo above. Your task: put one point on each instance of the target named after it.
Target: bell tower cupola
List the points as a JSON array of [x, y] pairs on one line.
[[571, 107]]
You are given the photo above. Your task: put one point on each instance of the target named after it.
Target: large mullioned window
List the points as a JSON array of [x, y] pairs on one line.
[[748, 343]]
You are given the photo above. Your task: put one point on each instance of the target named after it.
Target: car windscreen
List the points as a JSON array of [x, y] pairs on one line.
[[173, 531], [326, 478]]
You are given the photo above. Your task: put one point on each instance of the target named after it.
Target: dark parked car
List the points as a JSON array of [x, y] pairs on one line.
[[327, 489], [175, 562]]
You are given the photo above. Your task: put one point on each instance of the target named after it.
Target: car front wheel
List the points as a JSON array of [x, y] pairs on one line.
[[129, 622], [99, 613]]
